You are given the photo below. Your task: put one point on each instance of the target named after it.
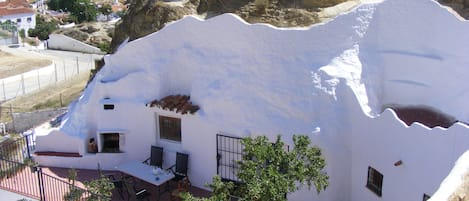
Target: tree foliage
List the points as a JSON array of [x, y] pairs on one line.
[[101, 189], [8, 25], [43, 28], [269, 171], [221, 191], [105, 9], [82, 10]]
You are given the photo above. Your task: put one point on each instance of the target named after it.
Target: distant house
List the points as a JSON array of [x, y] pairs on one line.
[[19, 12], [382, 90]]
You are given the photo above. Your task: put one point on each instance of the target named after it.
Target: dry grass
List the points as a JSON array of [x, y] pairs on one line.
[[462, 193], [12, 65]]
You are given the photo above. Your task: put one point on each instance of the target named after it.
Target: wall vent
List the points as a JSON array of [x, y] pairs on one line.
[[108, 106]]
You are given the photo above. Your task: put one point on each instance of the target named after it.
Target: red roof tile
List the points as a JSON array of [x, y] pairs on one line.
[[11, 7], [180, 103]]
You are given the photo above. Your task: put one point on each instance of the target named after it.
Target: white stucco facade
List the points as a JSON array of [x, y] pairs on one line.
[[331, 82], [24, 21]]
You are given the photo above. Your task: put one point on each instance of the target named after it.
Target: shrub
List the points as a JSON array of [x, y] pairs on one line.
[[43, 28]]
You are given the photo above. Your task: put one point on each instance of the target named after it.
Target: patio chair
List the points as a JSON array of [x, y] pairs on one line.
[[156, 157], [180, 168], [134, 192]]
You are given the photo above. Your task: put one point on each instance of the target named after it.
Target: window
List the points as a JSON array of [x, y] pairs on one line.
[[28, 19], [108, 106], [18, 20], [170, 128], [110, 142], [375, 181], [426, 197]]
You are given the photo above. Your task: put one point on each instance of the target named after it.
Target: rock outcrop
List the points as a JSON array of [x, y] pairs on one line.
[[460, 6], [148, 16], [93, 33]]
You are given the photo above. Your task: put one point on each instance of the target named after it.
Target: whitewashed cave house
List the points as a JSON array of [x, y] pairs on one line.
[[352, 84]]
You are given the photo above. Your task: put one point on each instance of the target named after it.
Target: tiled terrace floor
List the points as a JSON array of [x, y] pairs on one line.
[[88, 175]]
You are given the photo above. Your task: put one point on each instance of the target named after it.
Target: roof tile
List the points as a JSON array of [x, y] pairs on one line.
[[179, 103]]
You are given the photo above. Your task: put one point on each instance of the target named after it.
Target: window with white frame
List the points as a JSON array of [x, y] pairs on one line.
[[170, 128], [374, 181]]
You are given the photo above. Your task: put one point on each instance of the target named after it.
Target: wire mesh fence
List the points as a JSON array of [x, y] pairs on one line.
[[59, 70]]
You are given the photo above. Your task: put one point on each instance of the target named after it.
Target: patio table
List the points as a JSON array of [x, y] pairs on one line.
[[145, 172]]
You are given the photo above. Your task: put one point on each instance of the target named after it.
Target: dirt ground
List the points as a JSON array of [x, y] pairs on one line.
[[12, 64]]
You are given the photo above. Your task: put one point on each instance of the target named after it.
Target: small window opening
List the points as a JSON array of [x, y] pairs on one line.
[[110, 143], [375, 181], [170, 128], [108, 106]]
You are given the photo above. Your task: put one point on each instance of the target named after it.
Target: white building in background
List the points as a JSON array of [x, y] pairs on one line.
[[334, 82], [19, 12]]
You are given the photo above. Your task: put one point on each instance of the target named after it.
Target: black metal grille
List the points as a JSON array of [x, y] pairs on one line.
[[14, 176], [229, 152], [29, 180], [17, 150]]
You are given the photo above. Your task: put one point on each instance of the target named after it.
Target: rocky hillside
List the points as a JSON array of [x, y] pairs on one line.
[[460, 6], [148, 16], [98, 34]]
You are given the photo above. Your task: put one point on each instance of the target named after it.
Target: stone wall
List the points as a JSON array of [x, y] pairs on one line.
[[25, 121]]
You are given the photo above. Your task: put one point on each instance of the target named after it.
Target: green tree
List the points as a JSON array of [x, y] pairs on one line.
[[101, 189], [106, 9], [74, 193], [8, 26], [221, 191], [43, 28], [60, 5], [83, 10], [268, 171]]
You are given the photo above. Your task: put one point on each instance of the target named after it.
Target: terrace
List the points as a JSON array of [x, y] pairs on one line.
[[19, 174]]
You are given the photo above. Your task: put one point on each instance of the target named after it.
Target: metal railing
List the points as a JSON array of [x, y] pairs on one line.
[[229, 152], [17, 150], [54, 188], [19, 174], [19, 178]]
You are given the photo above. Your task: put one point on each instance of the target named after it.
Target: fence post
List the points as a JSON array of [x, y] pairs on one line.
[[78, 67], [91, 61], [55, 71], [12, 118], [38, 79], [65, 71], [4, 93], [22, 83], [40, 179], [61, 102], [27, 145]]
